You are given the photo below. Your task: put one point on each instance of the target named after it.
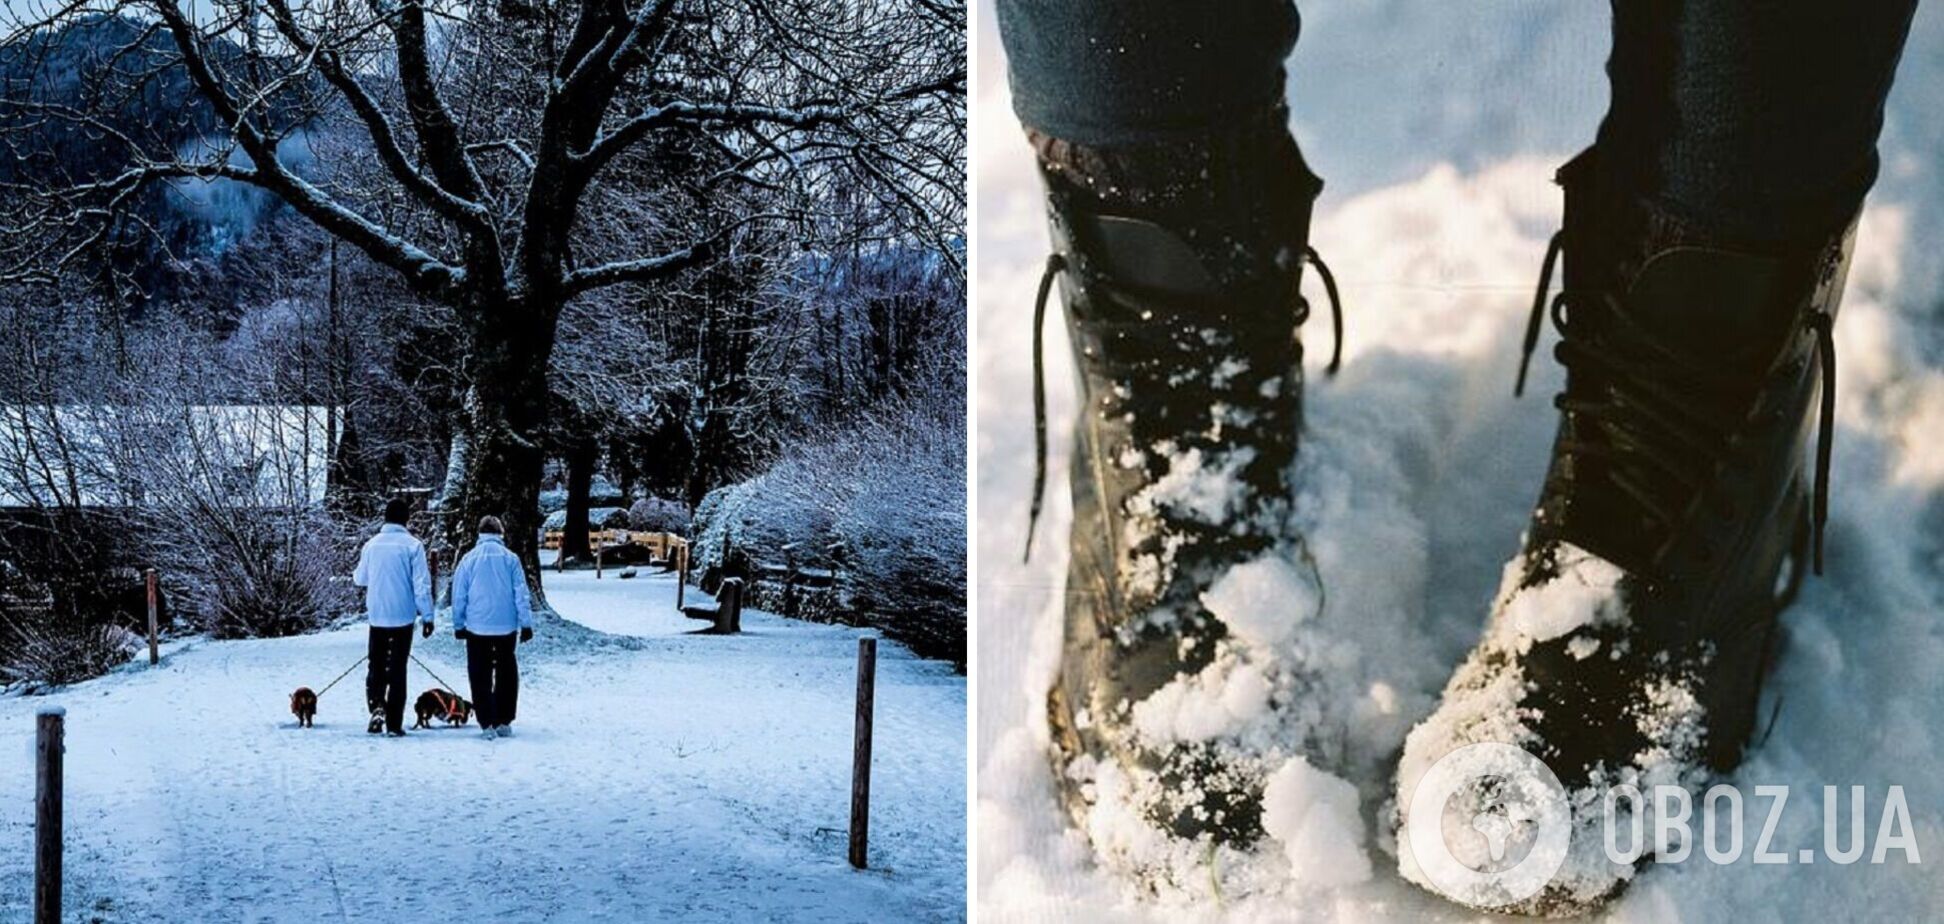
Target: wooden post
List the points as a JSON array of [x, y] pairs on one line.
[[155, 655], [432, 568], [681, 574], [597, 561], [728, 603], [47, 815], [860, 820]]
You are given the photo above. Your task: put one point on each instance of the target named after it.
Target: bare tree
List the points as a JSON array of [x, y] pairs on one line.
[[104, 469], [63, 525], [472, 150], [610, 376]]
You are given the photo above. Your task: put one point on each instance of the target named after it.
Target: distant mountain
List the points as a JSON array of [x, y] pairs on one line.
[[102, 65], [124, 77]]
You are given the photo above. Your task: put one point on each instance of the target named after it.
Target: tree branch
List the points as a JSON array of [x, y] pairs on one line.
[[651, 269], [421, 269], [466, 212], [607, 146]]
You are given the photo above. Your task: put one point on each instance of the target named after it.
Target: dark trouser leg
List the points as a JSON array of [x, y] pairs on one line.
[[375, 647], [479, 672], [1119, 72], [1756, 121], [506, 683], [400, 652]]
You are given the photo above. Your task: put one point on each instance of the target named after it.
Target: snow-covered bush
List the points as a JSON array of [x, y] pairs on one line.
[[881, 504], [657, 514], [717, 522], [903, 535], [766, 521], [553, 500], [43, 656]]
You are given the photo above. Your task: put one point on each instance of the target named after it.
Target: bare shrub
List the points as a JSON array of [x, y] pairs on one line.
[[232, 516], [41, 657], [279, 574], [66, 550]]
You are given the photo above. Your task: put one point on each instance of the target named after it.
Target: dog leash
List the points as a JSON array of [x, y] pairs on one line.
[[347, 672], [435, 676]]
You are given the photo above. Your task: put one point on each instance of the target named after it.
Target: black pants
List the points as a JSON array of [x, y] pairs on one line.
[[495, 674], [1754, 119], [385, 674]]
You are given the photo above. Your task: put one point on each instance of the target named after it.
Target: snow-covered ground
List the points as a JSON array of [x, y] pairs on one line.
[[1437, 127], [643, 605], [659, 778]]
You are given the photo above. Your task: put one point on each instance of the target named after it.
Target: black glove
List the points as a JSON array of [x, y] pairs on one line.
[[426, 631], [526, 635], [461, 634]]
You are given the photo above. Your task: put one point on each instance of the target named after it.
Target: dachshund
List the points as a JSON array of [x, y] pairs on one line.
[[439, 704]]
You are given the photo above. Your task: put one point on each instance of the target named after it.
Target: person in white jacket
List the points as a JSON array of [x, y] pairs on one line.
[[491, 606], [398, 593]]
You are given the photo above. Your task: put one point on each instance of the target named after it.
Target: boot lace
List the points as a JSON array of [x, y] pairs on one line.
[[1154, 344], [1658, 437]]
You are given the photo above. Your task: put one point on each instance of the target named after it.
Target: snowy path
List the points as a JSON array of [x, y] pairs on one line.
[[1437, 128], [694, 777], [642, 606]]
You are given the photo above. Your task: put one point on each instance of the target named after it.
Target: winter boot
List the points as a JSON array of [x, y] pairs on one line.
[[377, 723], [1179, 267], [1630, 637]]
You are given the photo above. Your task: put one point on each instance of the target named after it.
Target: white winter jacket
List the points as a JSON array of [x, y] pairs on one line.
[[489, 590], [398, 585]]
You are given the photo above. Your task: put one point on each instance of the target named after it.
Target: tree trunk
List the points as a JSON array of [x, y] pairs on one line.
[[582, 453], [508, 349], [453, 486]]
